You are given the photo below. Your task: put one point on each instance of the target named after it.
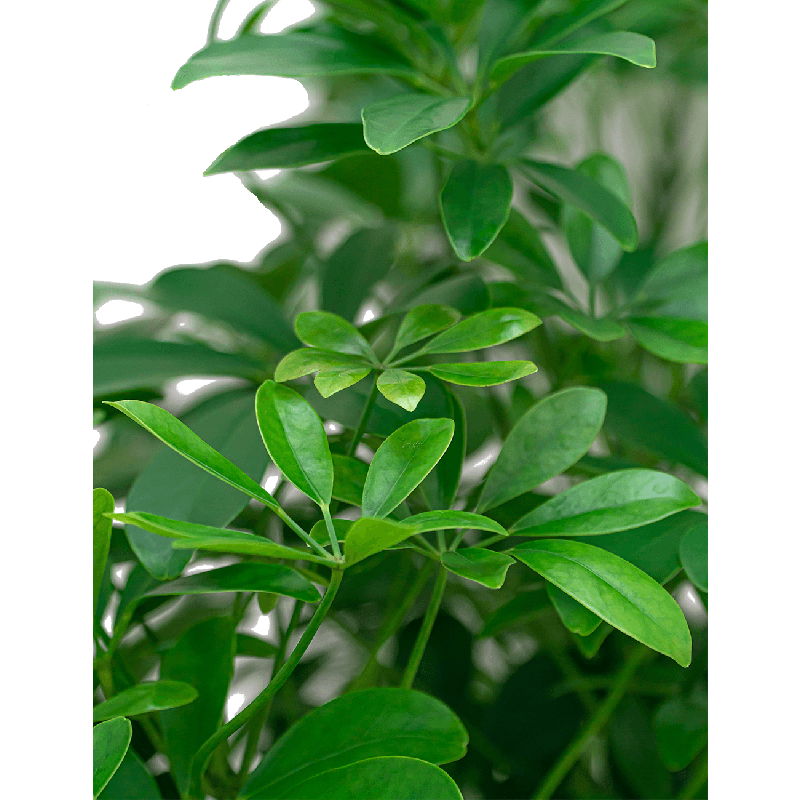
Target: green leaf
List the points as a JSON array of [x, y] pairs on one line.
[[441, 484], [518, 611], [349, 477], [172, 485], [612, 502], [575, 616], [296, 440], [681, 732], [402, 461], [401, 388], [303, 362], [368, 535], [344, 732], [144, 698], [390, 125], [694, 555], [559, 27], [484, 329], [386, 778], [633, 47], [680, 276], [448, 520], [615, 590], [282, 148], [483, 373], [681, 340], [202, 657], [102, 503], [319, 533], [131, 781], [110, 741], [330, 381], [289, 55], [477, 564], [604, 329], [247, 577], [121, 365], [254, 646], [548, 439], [421, 322], [475, 204], [641, 420], [698, 391], [328, 331], [466, 293], [586, 194]]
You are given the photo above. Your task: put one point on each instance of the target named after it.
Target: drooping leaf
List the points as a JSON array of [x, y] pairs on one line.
[[328, 331], [282, 148], [681, 731], [548, 439], [131, 781], [575, 616], [144, 698], [681, 340], [694, 555], [478, 564], [367, 536], [483, 373], [296, 440], [349, 476], [475, 204], [448, 520], [300, 363], [401, 463], [423, 321], [612, 502], [344, 732], [390, 125], [102, 503], [110, 742], [402, 388], [330, 381], [484, 329], [615, 590]]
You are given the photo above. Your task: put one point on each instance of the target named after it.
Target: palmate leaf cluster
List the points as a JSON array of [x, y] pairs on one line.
[[459, 441]]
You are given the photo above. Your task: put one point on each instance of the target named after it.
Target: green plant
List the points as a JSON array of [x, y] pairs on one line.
[[493, 487]]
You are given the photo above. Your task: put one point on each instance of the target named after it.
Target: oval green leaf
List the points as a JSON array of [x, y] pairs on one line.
[[401, 388], [421, 322], [110, 741], [478, 564], [681, 727], [303, 362], [131, 781], [483, 373], [484, 329], [330, 381], [694, 555], [576, 617], [682, 340], [367, 536], [328, 331], [449, 520], [144, 698], [349, 477]]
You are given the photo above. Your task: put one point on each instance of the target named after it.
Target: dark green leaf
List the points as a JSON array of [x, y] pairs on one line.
[[604, 329], [448, 520], [516, 612], [681, 731], [694, 555], [110, 742], [349, 476], [466, 293], [575, 616], [421, 322], [131, 781], [330, 381], [319, 533], [303, 362], [401, 388], [681, 340], [441, 484], [247, 645], [590, 645], [484, 329], [698, 391], [478, 564], [680, 276], [367, 536], [102, 503], [144, 698], [328, 331], [483, 373]]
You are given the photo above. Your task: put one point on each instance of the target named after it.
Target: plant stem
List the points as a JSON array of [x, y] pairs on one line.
[[568, 758], [425, 630], [362, 426], [326, 513], [204, 753], [302, 534]]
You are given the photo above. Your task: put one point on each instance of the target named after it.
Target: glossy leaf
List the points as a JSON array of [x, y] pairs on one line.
[[131, 781], [102, 503], [475, 204], [401, 388], [288, 55], [367, 536], [448, 520], [483, 373], [110, 741], [681, 731], [478, 564], [694, 555], [303, 362], [390, 125], [385, 778], [344, 732], [281, 148], [330, 381], [575, 616], [681, 340], [615, 590], [328, 331], [484, 329], [612, 502], [401, 463], [586, 194], [349, 477], [296, 440], [423, 321], [548, 439], [144, 698]]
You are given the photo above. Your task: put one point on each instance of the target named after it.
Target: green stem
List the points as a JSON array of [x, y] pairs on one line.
[[431, 550], [216, 16], [697, 780], [326, 513], [568, 758], [245, 715], [425, 630], [492, 540], [362, 425], [303, 535]]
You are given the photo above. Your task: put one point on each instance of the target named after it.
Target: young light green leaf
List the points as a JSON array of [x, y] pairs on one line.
[[390, 125], [384, 778], [300, 363], [681, 340], [402, 461], [328, 331], [343, 732], [586, 194], [633, 47], [330, 381], [349, 477], [110, 741], [144, 698], [483, 373], [615, 590], [484, 329], [448, 520], [477, 564], [247, 577], [369, 535], [295, 439], [612, 502], [694, 555], [102, 504], [681, 732], [548, 439], [131, 780], [289, 55], [282, 148], [576, 617], [475, 204], [401, 388], [421, 322]]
